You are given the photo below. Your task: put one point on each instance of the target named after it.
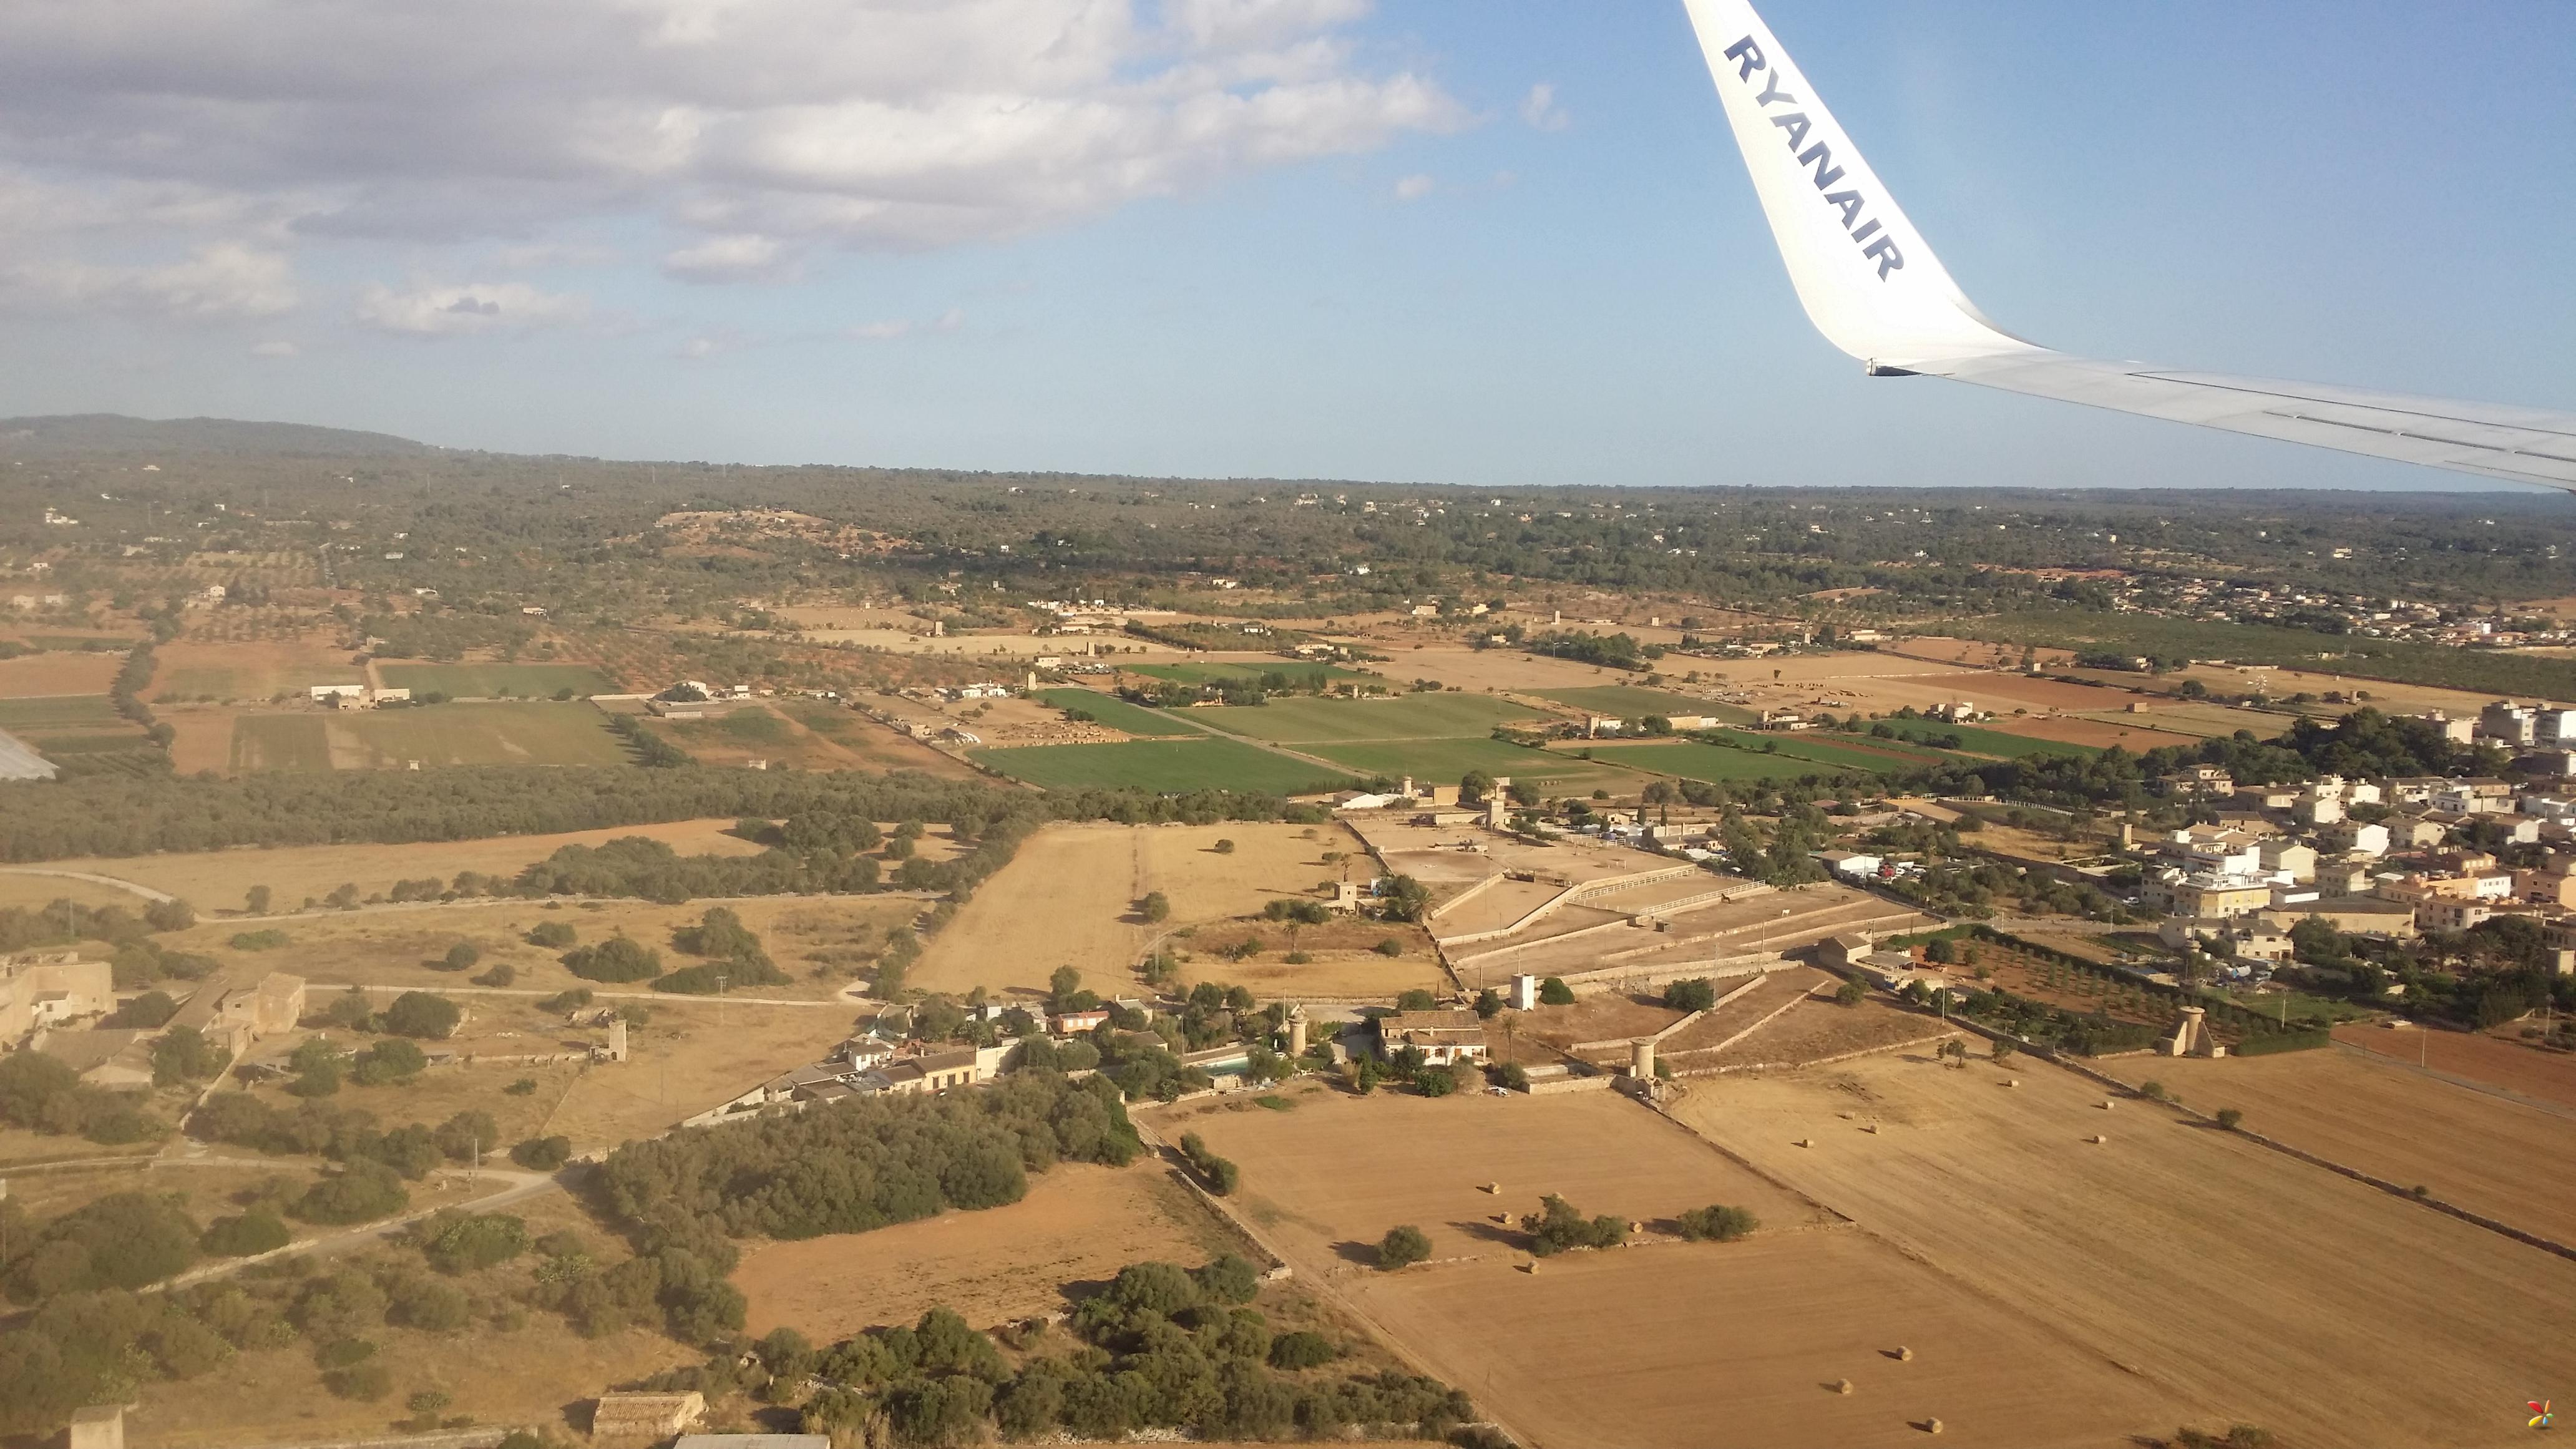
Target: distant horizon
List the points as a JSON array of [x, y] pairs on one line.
[[2467, 486]]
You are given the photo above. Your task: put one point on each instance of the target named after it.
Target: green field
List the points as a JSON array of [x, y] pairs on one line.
[[1989, 742], [280, 742], [1629, 702], [2205, 721], [1232, 673], [1406, 717], [451, 734], [1444, 761], [496, 681], [56, 745], [1116, 713], [1166, 766], [56, 710], [1716, 763]]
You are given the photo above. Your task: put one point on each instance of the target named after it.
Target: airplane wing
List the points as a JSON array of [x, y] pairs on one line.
[[1872, 286]]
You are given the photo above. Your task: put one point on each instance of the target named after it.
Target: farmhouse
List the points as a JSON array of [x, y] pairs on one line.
[[1442, 1037], [41, 991], [645, 1416], [234, 1017]]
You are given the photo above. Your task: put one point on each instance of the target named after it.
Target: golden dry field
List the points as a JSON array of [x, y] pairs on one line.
[[1665, 1343], [2512, 1160], [217, 879], [2232, 1283], [1078, 1224], [249, 672], [58, 672]]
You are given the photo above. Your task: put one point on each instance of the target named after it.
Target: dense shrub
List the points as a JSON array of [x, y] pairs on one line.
[[1563, 1226], [1554, 992], [615, 960], [388, 1061], [461, 1242], [1695, 994], [1301, 1350], [1717, 1224], [553, 935], [1218, 1173], [122, 1240], [243, 1236]]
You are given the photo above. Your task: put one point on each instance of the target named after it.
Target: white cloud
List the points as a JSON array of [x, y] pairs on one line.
[[1414, 187], [275, 348], [735, 258], [218, 283], [885, 331], [950, 320], [760, 127], [1539, 108], [448, 311]]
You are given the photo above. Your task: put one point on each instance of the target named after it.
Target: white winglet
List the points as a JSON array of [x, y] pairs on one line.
[[1872, 286]]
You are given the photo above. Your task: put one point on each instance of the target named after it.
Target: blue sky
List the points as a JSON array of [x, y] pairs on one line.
[[1266, 237]]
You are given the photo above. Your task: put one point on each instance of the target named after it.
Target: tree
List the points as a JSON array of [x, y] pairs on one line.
[[1489, 1003], [554, 935], [170, 915], [542, 1154], [1554, 992], [1225, 847], [1693, 994], [2229, 1117], [255, 901], [2002, 1050], [1156, 908], [1850, 993], [361, 1192], [422, 1014], [1416, 999], [462, 956], [617, 959], [1475, 787], [184, 1055], [1403, 1246], [389, 1061], [1938, 951]]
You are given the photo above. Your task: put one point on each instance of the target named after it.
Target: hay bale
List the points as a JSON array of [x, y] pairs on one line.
[[2108, 1104], [1871, 1129], [1494, 1188], [1806, 1142], [1842, 1386], [1530, 1267], [1904, 1354], [2097, 1139], [2012, 1081], [1931, 1426]]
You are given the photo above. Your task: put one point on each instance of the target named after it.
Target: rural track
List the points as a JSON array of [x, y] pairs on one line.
[[109, 881], [669, 996]]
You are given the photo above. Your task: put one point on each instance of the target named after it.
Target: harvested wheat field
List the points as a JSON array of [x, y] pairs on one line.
[[58, 672], [2528, 1071], [1067, 899], [1670, 1343], [1079, 1224], [2236, 1284], [1267, 862], [2509, 1160], [217, 879]]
